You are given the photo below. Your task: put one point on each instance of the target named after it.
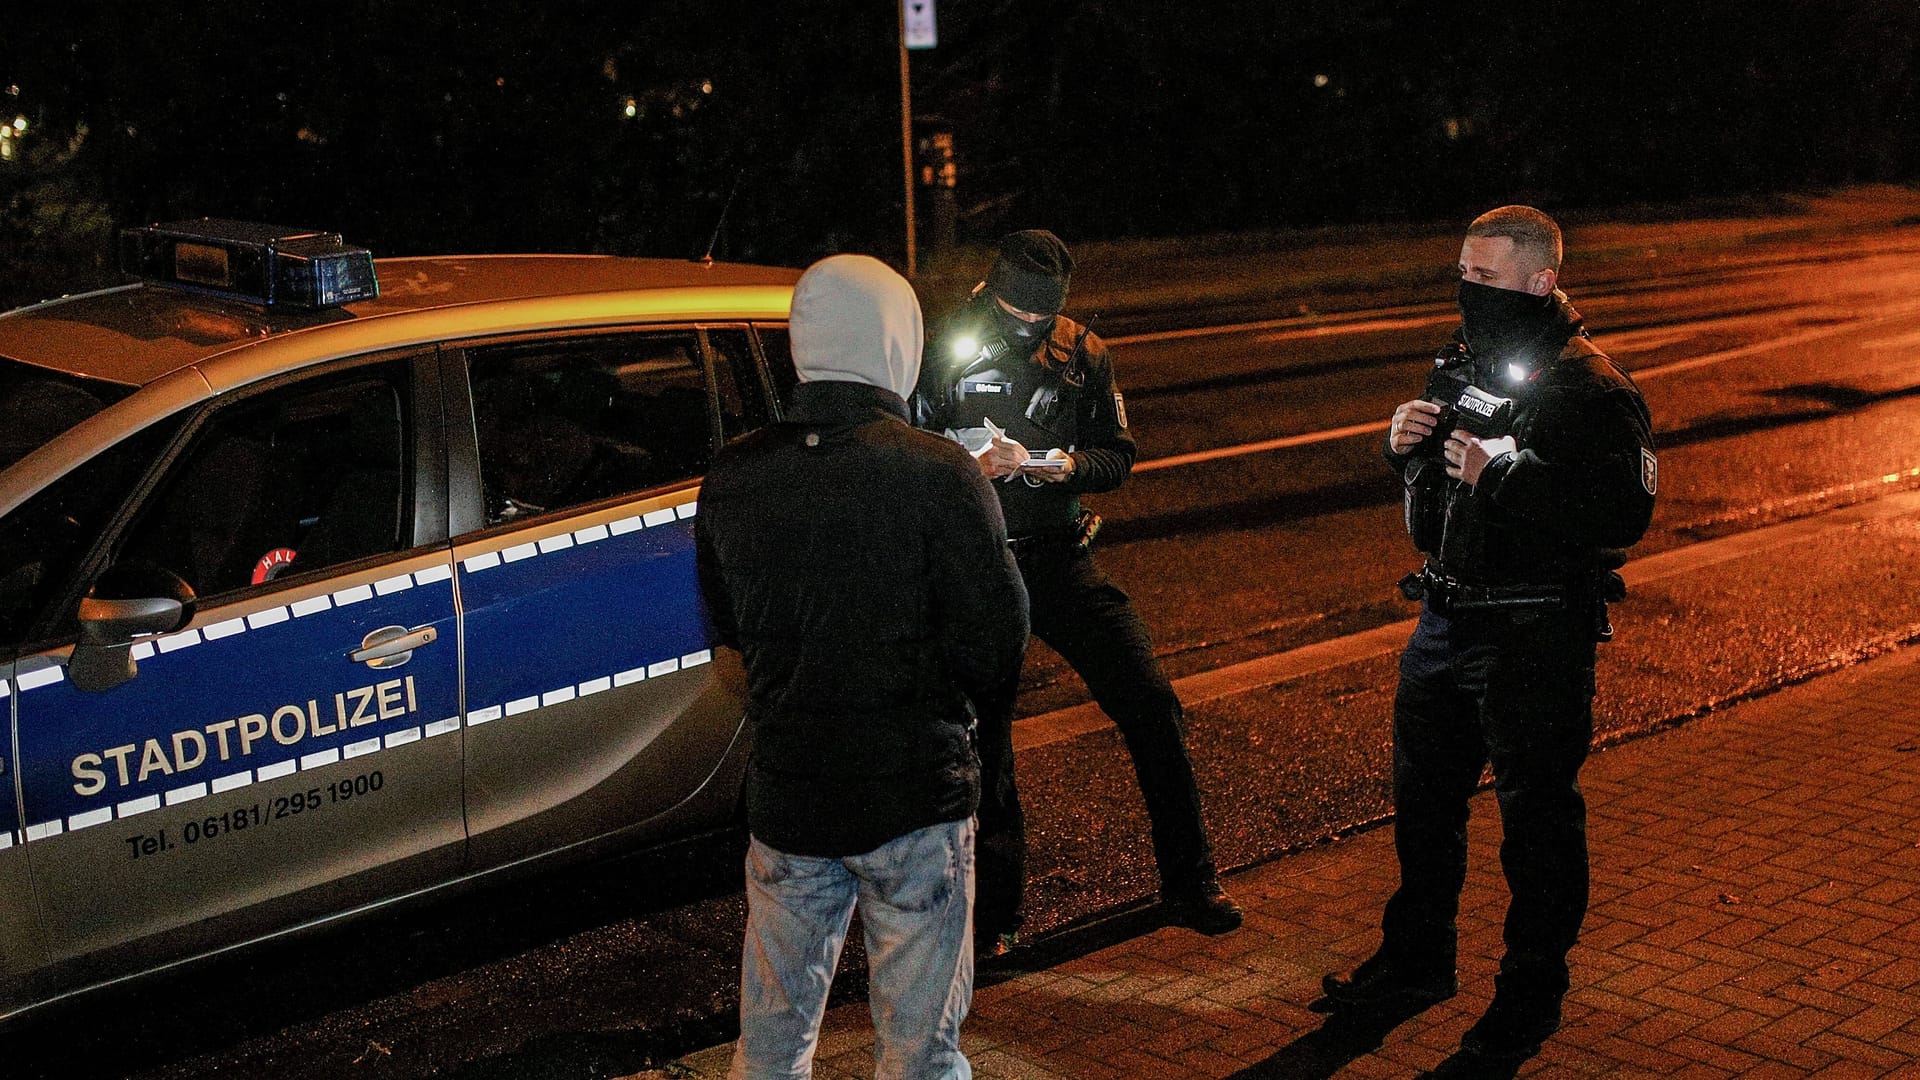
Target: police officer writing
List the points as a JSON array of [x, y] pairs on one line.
[[1529, 468], [1032, 394]]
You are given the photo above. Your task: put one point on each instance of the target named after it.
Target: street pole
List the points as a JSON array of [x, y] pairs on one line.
[[906, 136]]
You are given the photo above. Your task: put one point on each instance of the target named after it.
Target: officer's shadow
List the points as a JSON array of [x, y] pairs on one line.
[[1348, 1034]]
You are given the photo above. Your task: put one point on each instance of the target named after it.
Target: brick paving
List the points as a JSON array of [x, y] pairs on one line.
[[1754, 914]]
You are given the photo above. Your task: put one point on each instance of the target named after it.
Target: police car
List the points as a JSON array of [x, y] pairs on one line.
[[326, 581]]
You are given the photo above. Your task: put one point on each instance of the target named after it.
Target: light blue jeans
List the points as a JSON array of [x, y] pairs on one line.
[[916, 903]]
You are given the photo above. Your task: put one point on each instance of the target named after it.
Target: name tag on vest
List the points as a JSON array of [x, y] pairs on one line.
[[981, 386]]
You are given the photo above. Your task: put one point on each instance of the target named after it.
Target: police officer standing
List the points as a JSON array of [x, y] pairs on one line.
[[1522, 530], [1032, 394]]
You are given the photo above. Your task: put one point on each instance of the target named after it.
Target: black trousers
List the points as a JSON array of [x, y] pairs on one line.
[[1091, 623], [1514, 691]]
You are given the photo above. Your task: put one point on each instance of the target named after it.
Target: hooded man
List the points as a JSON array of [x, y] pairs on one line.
[[861, 568]]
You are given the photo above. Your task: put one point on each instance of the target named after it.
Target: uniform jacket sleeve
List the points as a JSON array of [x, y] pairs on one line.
[[1399, 463], [1105, 457], [931, 404], [980, 604], [1583, 470]]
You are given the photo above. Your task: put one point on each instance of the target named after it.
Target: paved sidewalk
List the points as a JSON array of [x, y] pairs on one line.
[[1755, 913]]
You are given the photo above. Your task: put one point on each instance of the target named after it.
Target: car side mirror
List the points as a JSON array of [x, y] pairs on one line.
[[159, 603]]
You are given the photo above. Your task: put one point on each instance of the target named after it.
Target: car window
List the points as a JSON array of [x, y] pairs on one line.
[[36, 405], [42, 541], [779, 354], [292, 480], [743, 398], [562, 423]]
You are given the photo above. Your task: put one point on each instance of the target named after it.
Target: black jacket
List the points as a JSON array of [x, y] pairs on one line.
[[862, 569], [1060, 393], [1580, 488]]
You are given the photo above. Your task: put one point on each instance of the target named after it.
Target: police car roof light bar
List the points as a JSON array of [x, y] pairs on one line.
[[272, 265]]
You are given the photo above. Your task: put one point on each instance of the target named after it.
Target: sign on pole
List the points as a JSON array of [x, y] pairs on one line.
[[920, 31]]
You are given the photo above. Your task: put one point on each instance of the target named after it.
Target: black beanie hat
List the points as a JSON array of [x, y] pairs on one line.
[[1032, 271]]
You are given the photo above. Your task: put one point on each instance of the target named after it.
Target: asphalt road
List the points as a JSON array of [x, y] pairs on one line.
[[1783, 382]]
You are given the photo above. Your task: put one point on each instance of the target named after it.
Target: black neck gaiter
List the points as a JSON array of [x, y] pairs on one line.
[[1501, 324], [1017, 331]]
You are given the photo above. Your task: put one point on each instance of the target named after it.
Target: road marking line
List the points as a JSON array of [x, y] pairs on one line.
[[1370, 326], [1659, 337], [1815, 334], [1263, 446], [1332, 434], [1411, 316], [1903, 341], [1265, 671]]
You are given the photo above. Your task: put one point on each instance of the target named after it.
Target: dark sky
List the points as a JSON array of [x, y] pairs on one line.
[[506, 126]]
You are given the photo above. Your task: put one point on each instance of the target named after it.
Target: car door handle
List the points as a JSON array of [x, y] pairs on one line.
[[391, 646]]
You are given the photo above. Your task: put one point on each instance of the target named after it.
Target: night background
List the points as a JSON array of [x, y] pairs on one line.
[[1266, 200], [567, 126]]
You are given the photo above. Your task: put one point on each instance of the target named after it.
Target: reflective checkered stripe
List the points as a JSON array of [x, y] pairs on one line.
[[533, 702], [171, 644], [649, 571], [9, 836], [172, 647], [653, 519]]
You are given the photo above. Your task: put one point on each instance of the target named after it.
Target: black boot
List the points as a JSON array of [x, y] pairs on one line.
[[1391, 979], [1520, 1019], [1205, 908]]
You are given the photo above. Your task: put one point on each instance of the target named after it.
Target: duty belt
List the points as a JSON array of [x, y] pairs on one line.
[[1026, 545], [1447, 595], [1079, 535]]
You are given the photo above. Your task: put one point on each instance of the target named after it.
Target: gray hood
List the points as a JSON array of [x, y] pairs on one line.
[[855, 320]]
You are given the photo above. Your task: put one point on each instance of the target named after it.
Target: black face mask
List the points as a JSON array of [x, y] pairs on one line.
[[1499, 323], [1018, 331]]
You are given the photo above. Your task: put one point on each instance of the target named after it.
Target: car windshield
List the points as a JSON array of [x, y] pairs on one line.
[[36, 405]]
